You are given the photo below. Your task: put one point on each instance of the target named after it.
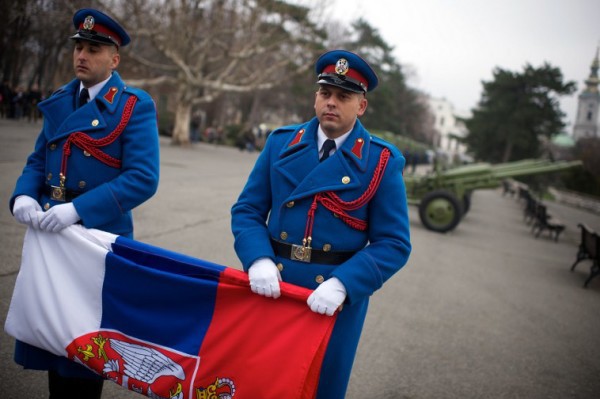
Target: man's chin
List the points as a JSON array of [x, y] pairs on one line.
[[328, 124], [81, 75]]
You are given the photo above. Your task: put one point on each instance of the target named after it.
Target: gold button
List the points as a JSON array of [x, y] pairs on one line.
[[360, 140], [283, 235], [345, 180], [95, 122], [280, 267], [87, 154], [53, 147], [327, 247], [46, 206], [81, 184], [290, 204], [319, 279], [49, 176]]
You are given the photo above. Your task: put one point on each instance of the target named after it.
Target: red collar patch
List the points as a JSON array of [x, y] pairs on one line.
[[110, 95], [297, 138], [357, 148]]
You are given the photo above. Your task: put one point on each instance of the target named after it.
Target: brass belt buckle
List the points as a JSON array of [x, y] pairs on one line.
[[58, 193], [300, 253]]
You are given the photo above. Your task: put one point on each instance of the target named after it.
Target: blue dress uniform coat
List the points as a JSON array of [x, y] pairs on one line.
[[274, 205], [106, 194]]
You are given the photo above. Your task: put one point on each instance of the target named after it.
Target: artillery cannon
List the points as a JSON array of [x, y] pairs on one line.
[[444, 197]]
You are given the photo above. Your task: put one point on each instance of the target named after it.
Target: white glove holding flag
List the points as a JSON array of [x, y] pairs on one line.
[[264, 278], [58, 217], [25, 211], [328, 297]]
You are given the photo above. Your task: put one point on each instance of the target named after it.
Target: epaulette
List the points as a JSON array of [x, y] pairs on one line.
[[139, 93], [58, 91], [386, 144], [286, 129]]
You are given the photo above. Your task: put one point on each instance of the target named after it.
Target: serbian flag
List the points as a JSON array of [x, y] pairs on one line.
[[161, 323]]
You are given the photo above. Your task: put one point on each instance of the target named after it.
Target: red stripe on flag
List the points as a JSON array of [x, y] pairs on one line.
[[263, 347]]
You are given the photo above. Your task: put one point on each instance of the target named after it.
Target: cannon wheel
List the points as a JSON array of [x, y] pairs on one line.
[[440, 211]]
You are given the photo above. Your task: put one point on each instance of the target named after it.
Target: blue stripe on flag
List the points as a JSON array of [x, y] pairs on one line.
[[158, 296], [162, 259]]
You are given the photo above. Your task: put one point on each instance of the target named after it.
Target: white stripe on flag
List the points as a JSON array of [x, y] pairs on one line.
[[50, 306]]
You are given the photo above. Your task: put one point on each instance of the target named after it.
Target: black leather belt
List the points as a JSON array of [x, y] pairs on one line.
[[312, 255], [61, 194]]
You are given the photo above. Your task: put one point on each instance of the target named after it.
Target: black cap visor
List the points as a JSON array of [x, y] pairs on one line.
[[93, 36], [341, 81]]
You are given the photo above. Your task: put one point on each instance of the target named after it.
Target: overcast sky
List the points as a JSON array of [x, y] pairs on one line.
[[452, 45]]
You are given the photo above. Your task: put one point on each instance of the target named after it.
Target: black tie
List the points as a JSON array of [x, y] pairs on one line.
[[328, 145], [84, 96]]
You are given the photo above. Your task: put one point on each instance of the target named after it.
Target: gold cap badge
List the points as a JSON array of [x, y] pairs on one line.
[[341, 66], [88, 22]]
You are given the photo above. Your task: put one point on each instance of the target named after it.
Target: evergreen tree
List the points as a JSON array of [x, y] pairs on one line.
[[515, 110]]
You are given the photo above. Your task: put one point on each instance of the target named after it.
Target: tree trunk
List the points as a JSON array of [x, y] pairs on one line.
[[507, 151], [181, 128]]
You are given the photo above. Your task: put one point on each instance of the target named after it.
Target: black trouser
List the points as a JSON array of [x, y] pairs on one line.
[[73, 388]]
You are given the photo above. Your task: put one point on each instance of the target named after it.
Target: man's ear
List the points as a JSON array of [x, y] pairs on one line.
[[362, 106], [116, 59]]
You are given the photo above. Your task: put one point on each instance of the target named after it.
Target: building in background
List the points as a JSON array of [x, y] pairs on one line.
[[450, 128], [587, 121]]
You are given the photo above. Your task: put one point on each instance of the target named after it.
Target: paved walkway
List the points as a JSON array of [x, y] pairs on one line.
[[486, 311]]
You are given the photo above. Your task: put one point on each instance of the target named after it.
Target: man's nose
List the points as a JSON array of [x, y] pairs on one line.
[[82, 55]]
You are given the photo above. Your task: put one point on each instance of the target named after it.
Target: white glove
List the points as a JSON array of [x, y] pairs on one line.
[[26, 210], [264, 278], [328, 297], [58, 217]]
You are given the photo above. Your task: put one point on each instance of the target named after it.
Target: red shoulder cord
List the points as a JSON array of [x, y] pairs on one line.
[[92, 146], [334, 203]]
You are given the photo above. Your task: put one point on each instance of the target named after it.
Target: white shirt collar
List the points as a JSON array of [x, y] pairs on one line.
[[95, 89], [321, 137]]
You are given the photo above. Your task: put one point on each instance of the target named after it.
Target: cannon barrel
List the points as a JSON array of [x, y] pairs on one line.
[[536, 168], [509, 169]]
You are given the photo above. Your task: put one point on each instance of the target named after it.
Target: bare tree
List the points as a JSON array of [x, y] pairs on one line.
[[49, 44], [202, 49], [16, 21]]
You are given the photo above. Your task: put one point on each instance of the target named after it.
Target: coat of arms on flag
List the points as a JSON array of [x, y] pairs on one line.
[[164, 324]]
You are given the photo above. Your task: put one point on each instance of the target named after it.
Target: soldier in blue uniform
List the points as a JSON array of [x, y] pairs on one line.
[[325, 208], [96, 158]]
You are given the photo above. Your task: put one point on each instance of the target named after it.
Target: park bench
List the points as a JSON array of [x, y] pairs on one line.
[[509, 187], [589, 248], [544, 221], [536, 214], [530, 209]]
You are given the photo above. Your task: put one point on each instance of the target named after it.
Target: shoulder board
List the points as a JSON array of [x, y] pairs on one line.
[[381, 142], [139, 93], [58, 91], [286, 129]]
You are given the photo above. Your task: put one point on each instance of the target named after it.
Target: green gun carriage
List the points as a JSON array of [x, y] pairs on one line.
[[444, 197]]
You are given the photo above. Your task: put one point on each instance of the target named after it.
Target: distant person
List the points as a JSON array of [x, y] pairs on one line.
[[195, 128], [96, 159], [19, 102], [414, 161], [325, 208], [246, 140], [6, 94], [34, 97]]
